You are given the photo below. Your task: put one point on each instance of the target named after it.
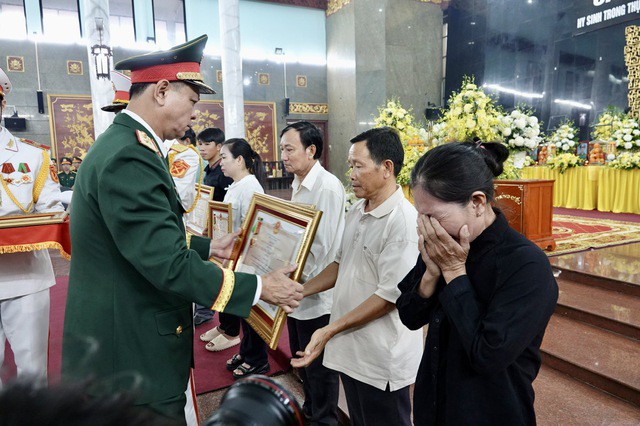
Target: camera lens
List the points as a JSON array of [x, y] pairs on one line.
[[257, 400]]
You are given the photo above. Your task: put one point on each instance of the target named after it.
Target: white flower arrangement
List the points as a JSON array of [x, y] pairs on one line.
[[627, 136], [520, 130], [564, 138]]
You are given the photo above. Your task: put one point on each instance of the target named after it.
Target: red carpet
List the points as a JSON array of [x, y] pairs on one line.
[[574, 233], [210, 372], [595, 214]]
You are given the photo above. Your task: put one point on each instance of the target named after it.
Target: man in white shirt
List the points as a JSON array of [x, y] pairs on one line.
[[301, 146], [377, 356]]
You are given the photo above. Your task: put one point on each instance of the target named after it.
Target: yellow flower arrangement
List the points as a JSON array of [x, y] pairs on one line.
[[608, 122], [471, 113], [626, 161], [413, 138], [401, 119], [564, 161]]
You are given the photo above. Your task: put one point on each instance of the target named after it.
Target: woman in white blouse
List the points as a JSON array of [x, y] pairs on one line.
[[242, 164]]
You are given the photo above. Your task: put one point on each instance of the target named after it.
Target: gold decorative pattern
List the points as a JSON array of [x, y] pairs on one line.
[[335, 5], [259, 124], [226, 290], [632, 60], [513, 198], [307, 108], [189, 76], [218, 76], [70, 124], [301, 81], [15, 63], [75, 68], [264, 79]]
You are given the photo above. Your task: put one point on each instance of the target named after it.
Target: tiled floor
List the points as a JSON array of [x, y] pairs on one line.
[[621, 263]]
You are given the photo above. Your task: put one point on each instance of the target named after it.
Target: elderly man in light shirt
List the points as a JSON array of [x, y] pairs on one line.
[[365, 341], [301, 146]]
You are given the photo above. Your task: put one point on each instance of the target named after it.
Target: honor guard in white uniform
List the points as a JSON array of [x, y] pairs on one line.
[[186, 169], [28, 185]]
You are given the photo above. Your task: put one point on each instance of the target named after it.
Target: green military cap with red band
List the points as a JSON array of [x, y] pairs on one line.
[[180, 63]]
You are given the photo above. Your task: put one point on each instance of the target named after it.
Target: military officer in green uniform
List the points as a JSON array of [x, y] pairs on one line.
[[75, 162], [134, 274], [67, 177]]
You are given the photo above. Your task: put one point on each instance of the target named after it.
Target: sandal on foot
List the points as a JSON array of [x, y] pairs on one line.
[[234, 362], [222, 342], [245, 370], [210, 335]]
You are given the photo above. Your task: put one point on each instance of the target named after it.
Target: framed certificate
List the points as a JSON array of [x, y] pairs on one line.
[[220, 219], [197, 221], [16, 221], [277, 233]]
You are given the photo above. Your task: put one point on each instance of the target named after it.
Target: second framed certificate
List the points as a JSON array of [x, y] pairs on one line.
[[197, 220], [277, 234], [220, 219]]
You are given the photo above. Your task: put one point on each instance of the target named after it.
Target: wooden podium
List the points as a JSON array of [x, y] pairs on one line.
[[528, 206]]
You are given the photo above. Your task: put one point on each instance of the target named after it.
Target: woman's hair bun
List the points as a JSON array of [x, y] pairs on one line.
[[494, 154]]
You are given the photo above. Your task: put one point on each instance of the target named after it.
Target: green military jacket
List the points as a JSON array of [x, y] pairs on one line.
[[67, 179], [133, 279]]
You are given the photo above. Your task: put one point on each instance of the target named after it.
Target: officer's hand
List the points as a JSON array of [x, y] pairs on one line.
[[279, 289], [222, 248]]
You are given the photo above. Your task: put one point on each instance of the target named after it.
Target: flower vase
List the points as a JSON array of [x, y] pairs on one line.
[[518, 159]]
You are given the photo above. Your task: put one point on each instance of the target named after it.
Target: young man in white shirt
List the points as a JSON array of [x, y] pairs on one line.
[[377, 356], [301, 146]]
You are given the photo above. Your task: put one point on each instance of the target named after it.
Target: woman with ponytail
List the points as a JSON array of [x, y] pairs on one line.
[[486, 292], [242, 164]]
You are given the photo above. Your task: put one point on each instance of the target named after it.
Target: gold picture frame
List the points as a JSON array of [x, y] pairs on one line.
[[220, 219], [197, 220], [277, 233], [17, 221]]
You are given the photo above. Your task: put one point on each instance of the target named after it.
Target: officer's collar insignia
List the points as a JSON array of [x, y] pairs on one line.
[[179, 147], [147, 142], [12, 146]]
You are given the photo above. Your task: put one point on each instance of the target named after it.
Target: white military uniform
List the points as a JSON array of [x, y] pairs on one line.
[[186, 170], [25, 278]]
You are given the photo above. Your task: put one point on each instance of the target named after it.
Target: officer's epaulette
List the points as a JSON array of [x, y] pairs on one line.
[[146, 141], [179, 147], [36, 144]]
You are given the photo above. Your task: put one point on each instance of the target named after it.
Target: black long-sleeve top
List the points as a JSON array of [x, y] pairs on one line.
[[214, 177], [482, 351]]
